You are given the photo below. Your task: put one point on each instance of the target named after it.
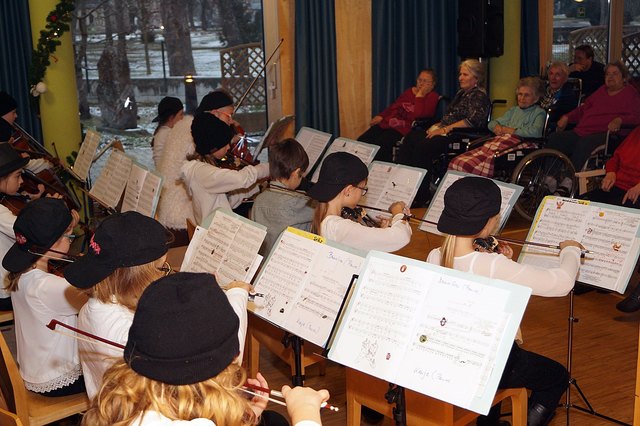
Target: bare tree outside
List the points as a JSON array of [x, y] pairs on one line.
[[177, 36]]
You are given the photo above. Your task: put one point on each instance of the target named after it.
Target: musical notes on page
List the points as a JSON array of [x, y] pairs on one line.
[[85, 154], [112, 180], [609, 232], [389, 183], [143, 190], [509, 192], [363, 151], [314, 143], [304, 283]]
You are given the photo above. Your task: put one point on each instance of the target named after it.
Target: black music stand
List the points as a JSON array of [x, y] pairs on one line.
[[573, 381], [296, 345], [395, 395]]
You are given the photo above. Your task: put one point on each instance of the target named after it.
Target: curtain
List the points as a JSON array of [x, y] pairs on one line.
[[15, 51], [410, 35], [529, 46], [316, 79]]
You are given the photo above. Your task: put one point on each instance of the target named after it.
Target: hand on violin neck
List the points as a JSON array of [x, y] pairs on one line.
[[397, 208]]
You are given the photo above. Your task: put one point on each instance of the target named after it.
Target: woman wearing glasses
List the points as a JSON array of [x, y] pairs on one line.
[[49, 363], [341, 184], [127, 253]]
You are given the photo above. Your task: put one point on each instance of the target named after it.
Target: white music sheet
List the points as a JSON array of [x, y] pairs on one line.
[[389, 183], [112, 180], [314, 143], [364, 151], [228, 248], [509, 192], [610, 232], [143, 190], [85, 154], [304, 281], [437, 331]]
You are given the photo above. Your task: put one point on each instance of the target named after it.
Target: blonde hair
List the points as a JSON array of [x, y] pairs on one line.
[[13, 278], [126, 284], [125, 395], [318, 216], [447, 251], [476, 68]]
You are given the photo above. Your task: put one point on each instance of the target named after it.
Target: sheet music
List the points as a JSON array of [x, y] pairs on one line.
[[111, 183], [389, 183], [437, 331], [611, 232], [509, 192], [304, 282], [85, 154], [364, 151], [314, 143], [228, 248], [143, 191]]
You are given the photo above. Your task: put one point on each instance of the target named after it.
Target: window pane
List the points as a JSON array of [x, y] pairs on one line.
[[577, 23], [631, 37]]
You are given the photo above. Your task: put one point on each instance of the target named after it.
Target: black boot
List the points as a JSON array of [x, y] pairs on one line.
[[539, 415], [632, 302]]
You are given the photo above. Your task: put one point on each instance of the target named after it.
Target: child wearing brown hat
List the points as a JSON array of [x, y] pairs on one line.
[[472, 210], [49, 363], [170, 112], [127, 253], [179, 369], [209, 185], [341, 184]]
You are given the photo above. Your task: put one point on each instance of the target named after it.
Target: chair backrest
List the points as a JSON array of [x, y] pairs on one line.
[[11, 384], [576, 85], [9, 419]]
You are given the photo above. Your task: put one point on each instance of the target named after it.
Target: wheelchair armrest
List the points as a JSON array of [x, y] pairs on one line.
[[470, 132], [583, 178], [423, 123]]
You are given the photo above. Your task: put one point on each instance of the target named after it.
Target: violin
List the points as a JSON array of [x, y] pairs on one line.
[[15, 202], [241, 148], [360, 216], [487, 245]]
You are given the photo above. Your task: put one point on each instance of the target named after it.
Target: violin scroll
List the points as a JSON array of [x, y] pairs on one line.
[[487, 245], [359, 215]]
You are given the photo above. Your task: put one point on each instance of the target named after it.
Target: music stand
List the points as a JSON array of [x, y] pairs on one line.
[[395, 395], [573, 381]]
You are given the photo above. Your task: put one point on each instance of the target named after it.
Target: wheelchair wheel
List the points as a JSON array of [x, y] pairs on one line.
[[537, 173]]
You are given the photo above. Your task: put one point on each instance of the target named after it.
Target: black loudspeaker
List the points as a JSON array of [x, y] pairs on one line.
[[480, 28]]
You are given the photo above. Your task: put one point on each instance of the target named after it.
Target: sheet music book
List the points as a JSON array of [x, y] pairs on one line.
[[227, 245], [610, 232], [113, 179], [364, 151], [274, 134], [437, 331], [304, 281], [389, 183], [314, 143], [85, 155], [143, 190], [509, 191]]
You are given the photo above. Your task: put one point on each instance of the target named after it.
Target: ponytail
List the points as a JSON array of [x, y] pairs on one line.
[[447, 251], [318, 216]]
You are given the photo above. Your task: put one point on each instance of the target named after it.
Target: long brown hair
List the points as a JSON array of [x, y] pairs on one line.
[[125, 395], [318, 216]]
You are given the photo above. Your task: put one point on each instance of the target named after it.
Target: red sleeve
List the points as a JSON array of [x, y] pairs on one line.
[[426, 106], [390, 111], [613, 165]]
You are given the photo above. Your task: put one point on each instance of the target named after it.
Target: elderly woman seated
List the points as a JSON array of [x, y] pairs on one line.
[[611, 106], [559, 96], [526, 120], [469, 108], [394, 122]]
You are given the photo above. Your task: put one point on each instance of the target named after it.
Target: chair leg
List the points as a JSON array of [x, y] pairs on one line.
[[519, 404]]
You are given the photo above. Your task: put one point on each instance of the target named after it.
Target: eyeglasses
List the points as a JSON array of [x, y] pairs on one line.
[[364, 190], [166, 268], [70, 237]]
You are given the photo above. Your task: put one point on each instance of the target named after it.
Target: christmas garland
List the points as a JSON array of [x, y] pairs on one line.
[[57, 24]]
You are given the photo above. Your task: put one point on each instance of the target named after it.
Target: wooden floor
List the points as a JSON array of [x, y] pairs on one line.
[[604, 348]]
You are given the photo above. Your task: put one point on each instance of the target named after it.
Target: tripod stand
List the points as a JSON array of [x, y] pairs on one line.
[[573, 381]]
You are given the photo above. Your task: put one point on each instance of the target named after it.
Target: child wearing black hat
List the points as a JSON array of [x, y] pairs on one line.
[[49, 363], [471, 210], [178, 369], [170, 112], [127, 252], [279, 206], [341, 184], [8, 115], [211, 186]]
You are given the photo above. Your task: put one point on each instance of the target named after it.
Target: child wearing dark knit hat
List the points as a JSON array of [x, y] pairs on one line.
[[49, 364], [471, 211], [179, 368], [341, 184], [8, 115], [210, 185]]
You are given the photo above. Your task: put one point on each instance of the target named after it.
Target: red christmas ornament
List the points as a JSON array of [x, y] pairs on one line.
[[53, 18]]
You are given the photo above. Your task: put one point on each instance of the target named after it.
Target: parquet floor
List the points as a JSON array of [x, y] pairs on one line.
[[604, 347]]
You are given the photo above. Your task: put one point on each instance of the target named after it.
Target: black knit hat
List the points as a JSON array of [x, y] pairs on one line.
[[7, 103], [167, 107], [10, 160], [337, 171], [38, 226], [214, 100], [121, 240], [184, 330], [468, 204], [210, 133]]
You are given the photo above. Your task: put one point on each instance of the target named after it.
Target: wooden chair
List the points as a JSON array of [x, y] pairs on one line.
[[363, 389], [191, 229], [33, 409], [9, 419], [6, 316]]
